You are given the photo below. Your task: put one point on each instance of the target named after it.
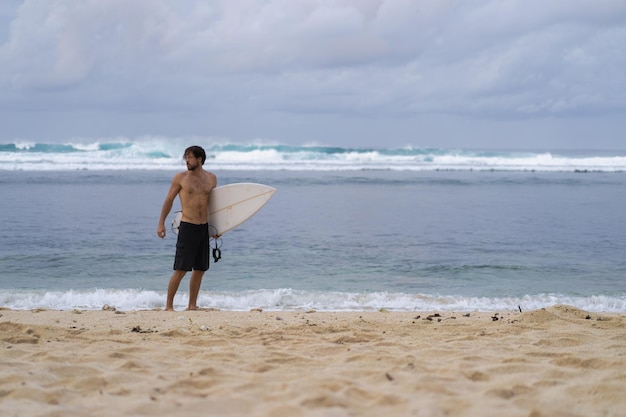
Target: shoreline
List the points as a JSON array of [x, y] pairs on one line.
[[286, 299], [557, 361]]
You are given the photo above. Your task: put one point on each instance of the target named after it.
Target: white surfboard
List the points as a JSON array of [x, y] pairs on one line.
[[231, 205]]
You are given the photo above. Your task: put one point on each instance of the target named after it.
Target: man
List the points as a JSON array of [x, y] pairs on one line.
[[193, 187]]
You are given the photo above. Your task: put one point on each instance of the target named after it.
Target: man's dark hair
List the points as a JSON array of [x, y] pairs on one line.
[[197, 151]]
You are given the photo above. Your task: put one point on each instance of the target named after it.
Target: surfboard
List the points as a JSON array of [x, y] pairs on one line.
[[231, 205]]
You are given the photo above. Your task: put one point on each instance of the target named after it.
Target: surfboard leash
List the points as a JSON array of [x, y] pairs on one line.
[[215, 251]]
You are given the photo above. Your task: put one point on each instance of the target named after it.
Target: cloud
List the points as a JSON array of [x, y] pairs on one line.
[[488, 59]]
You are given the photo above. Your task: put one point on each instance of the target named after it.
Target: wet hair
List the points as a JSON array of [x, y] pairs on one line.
[[197, 151]]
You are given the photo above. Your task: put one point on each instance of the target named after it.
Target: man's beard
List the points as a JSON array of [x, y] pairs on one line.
[[192, 167]]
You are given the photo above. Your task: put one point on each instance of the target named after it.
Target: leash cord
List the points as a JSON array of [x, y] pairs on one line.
[[216, 251]]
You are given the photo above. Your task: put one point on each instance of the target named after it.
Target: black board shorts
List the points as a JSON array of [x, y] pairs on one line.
[[192, 247]]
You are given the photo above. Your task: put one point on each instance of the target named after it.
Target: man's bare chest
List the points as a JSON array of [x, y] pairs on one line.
[[196, 186]]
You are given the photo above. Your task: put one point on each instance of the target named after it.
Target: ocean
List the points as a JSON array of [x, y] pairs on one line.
[[401, 229]]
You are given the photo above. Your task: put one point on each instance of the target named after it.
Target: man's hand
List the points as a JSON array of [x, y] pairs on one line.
[[161, 231]]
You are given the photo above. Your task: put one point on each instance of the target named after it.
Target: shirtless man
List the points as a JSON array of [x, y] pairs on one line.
[[193, 187]]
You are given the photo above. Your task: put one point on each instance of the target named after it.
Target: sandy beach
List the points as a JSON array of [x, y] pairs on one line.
[[558, 361]]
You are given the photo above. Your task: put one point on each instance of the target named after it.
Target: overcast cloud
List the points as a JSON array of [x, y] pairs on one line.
[[508, 74]]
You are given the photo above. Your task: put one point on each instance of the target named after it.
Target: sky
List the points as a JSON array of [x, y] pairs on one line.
[[506, 74]]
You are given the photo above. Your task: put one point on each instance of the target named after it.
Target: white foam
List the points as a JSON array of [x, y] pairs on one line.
[[24, 145], [285, 299]]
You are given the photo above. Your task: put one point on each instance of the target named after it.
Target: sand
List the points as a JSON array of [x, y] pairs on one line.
[[558, 361]]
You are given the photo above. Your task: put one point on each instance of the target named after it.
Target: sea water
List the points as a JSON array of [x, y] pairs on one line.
[[348, 229]]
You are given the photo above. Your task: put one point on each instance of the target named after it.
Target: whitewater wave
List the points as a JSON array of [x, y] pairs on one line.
[[285, 299], [164, 154]]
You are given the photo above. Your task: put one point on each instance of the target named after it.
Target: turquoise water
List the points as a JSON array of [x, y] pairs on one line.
[[155, 153]]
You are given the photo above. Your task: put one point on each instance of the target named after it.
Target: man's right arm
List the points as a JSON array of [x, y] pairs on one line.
[[167, 205]]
